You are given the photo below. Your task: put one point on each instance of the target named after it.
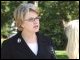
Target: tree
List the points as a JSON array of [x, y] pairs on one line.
[[52, 14], [7, 9]]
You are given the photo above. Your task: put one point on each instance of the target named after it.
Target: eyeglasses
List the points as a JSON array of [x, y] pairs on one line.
[[33, 19]]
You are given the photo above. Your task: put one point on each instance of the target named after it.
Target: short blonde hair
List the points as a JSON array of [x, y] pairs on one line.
[[20, 12]]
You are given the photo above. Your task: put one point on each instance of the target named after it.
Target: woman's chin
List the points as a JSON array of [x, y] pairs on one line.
[[37, 30]]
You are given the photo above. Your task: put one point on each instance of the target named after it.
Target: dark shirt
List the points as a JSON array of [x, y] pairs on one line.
[[16, 48]]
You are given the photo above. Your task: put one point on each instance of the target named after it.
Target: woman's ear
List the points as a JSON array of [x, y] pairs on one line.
[[22, 25]]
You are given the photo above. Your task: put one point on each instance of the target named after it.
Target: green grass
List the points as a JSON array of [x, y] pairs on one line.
[[61, 54]]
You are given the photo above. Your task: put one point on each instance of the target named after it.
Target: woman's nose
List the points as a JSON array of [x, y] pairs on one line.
[[35, 21]]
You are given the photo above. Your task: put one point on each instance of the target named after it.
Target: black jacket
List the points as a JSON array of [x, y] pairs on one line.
[[15, 49]]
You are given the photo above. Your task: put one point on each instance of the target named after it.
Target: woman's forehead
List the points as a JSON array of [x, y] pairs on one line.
[[31, 14]]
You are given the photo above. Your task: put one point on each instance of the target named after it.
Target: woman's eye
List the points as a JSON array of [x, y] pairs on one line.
[[31, 19]]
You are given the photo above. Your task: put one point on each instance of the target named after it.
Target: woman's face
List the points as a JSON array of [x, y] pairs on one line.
[[31, 22]]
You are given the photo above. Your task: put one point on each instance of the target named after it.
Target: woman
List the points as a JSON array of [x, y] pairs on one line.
[[28, 43]]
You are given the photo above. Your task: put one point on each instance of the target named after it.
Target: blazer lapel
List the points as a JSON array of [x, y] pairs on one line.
[[41, 47], [24, 49]]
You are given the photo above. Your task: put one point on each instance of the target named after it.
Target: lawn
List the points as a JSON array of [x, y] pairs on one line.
[[61, 54]]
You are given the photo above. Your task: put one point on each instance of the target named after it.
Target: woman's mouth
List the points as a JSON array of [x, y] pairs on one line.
[[36, 26]]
